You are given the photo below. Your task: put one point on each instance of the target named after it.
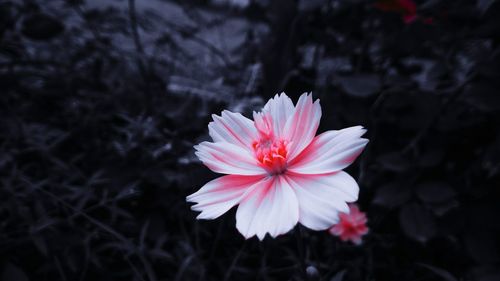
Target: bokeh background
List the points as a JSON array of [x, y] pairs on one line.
[[101, 102]]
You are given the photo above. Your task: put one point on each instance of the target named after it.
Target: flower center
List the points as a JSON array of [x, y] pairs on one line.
[[271, 154]]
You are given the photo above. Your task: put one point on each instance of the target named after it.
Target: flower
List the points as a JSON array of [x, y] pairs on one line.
[[352, 225], [406, 8], [277, 171]]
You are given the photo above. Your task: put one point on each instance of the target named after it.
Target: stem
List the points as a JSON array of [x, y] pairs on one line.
[[454, 94], [140, 50], [300, 250], [107, 229], [133, 26], [227, 276]]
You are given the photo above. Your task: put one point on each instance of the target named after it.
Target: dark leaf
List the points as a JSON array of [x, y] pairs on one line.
[[435, 192], [484, 96], [308, 5], [417, 223], [11, 49], [430, 4], [431, 158], [363, 85], [481, 246], [440, 272], [41, 27], [339, 276], [441, 208], [160, 254], [13, 273], [484, 5], [392, 195], [490, 277], [394, 162]]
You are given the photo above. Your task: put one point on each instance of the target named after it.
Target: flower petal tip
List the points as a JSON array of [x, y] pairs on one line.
[[201, 216], [190, 198]]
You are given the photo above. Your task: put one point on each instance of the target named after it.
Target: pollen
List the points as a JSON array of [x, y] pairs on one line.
[[271, 154]]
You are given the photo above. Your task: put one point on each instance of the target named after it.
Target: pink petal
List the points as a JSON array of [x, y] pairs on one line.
[[409, 18], [362, 229], [336, 230], [352, 225], [270, 206], [331, 151], [322, 197], [345, 236], [281, 108], [356, 239], [233, 128], [221, 194], [264, 124], [227, 158], [301, 127], [408, 6]]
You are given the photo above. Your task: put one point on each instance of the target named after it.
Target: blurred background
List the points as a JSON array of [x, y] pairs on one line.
[[101, 102]]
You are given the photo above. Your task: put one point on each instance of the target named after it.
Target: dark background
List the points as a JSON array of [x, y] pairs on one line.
[[101, 103]]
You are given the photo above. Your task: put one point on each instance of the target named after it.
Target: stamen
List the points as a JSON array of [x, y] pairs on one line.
[[271, 154]]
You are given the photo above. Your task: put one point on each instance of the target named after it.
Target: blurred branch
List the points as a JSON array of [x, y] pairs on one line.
[[104, 227], [33, 62], [454, 93], [300, 249], [236, 258], [140, 49], [94, 29], [136, 37], [60, 269], [94, 221], [191, 35], [134, 269], [193, 14], [133, 26]]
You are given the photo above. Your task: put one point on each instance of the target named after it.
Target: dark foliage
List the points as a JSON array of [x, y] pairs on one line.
[[102, 101]]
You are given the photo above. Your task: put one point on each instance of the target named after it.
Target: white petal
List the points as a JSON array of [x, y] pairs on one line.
[[281, 108], [227, 158], [268, 207], [221, 194], [322, 197], [233, 128], [330, 152], [301, 127]]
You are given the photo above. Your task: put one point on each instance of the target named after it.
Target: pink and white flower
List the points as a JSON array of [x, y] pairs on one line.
[[352, 225], [277, 171]]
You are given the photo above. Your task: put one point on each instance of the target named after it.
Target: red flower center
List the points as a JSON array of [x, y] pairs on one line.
[[271, 154]]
